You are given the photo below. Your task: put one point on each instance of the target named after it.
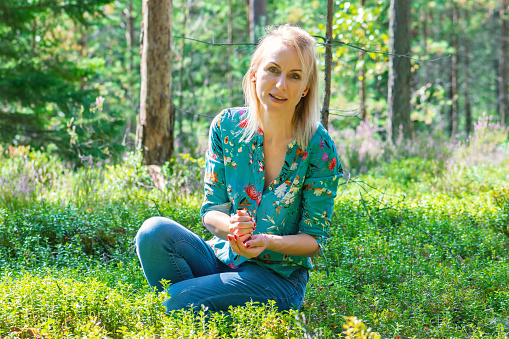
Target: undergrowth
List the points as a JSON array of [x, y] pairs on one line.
[[418, 248]]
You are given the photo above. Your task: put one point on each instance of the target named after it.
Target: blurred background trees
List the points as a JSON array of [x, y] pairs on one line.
[[70, 71]]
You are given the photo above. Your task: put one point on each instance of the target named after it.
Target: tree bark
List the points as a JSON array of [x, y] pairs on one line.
[[129, 36], [466, 58], [230, 50], [328, 65], [453, 112], [398, 99], [180, 115], [502, 64], [257, 17], [156, 121]]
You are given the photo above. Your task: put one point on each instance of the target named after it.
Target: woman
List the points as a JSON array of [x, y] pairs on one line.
[[271, 177]]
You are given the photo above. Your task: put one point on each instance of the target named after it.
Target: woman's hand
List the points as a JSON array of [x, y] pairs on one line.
[[251, 248], [241, 225]]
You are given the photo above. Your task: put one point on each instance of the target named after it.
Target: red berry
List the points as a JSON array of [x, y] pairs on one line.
[[320, 288], [425, 328]]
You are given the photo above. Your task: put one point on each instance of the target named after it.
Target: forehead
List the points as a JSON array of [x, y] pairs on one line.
[[286, 56]]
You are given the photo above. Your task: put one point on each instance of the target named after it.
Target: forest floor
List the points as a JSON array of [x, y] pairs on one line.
[[415, 250]]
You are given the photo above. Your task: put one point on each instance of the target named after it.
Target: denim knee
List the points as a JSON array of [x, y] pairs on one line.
[[154, 230]]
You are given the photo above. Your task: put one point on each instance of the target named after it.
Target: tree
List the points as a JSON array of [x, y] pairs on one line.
[[503, 86], [43, 85], [398, 100], [257, 17], [328, 65], [453, 112], [156, 119]]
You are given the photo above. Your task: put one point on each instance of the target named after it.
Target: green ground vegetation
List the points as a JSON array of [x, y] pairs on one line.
[[418, 248]]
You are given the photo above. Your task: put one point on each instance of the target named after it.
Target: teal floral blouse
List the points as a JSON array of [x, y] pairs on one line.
[[300, 200]]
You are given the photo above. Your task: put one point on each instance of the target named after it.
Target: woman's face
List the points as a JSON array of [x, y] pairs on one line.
[[280, 82]]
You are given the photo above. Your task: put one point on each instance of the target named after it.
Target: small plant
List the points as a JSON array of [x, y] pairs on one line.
[[356, 329], [500, 224]]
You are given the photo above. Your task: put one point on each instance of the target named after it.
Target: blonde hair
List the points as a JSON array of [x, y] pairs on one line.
[[307, 114]]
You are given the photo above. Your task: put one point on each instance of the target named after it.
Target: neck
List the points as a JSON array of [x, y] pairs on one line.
[[277, 128]]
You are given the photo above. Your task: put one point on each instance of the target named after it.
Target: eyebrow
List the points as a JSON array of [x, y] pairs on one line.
[[292, 70]]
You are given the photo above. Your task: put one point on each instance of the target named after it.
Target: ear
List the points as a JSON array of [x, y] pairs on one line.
[[306, 90]]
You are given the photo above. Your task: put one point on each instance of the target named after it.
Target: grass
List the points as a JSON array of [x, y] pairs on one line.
[[417, 249]]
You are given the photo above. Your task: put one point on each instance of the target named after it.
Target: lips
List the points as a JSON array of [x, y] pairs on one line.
[[277, 98]]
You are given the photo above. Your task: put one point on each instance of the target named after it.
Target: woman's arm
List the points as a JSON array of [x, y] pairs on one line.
[[221, 224]]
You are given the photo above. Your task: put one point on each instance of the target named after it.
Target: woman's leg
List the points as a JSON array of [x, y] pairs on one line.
[[234, 287], [170, 251]]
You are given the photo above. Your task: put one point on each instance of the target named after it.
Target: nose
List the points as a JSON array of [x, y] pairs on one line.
[[281, 82]]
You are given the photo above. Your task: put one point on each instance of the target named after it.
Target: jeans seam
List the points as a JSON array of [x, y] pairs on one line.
[[214, 263]]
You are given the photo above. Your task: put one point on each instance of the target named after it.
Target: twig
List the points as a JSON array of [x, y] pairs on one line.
[[213, 43]]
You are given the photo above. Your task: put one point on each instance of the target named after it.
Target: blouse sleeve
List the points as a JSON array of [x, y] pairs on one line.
[[216, 196], [320, 189]]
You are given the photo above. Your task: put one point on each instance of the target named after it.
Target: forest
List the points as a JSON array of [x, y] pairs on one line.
[[415, 97]]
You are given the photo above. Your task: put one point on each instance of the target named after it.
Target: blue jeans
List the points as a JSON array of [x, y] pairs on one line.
[[170, 251]]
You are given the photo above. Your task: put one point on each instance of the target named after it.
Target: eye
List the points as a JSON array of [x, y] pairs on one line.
[[295, 76], [272, 69]]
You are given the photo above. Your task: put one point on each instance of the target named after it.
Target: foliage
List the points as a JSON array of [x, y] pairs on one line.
[[500, 224], [413, 251], [40, 84], [431, 154]]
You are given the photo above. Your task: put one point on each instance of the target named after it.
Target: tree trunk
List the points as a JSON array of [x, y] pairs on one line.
[[453, 113], [502, 64], [180, 114], [328, 65], [362, 79], [129, 36], [468, 109], [230, 51], [398, 99], [257, 18], [156, 121]]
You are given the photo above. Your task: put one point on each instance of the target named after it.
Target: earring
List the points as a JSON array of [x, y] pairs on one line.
[[253, 80], [303, 94]]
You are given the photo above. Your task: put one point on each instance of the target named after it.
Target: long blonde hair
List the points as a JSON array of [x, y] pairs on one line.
[[307, 113]]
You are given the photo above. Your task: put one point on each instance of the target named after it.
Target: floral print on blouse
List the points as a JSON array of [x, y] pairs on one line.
[[300, 200]]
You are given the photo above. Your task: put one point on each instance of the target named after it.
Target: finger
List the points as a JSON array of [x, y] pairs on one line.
[[250, 227], [241, 232], [241, 212], [256, 240], [244, 238], [233, 243]]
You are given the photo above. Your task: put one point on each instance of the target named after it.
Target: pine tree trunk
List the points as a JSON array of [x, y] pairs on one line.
[[230, 50], [502, 64], [129, 36], [398, 99], [156, 121], [453, 115], [180, 115], [328, 65], [257, 17], [466, 57]]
